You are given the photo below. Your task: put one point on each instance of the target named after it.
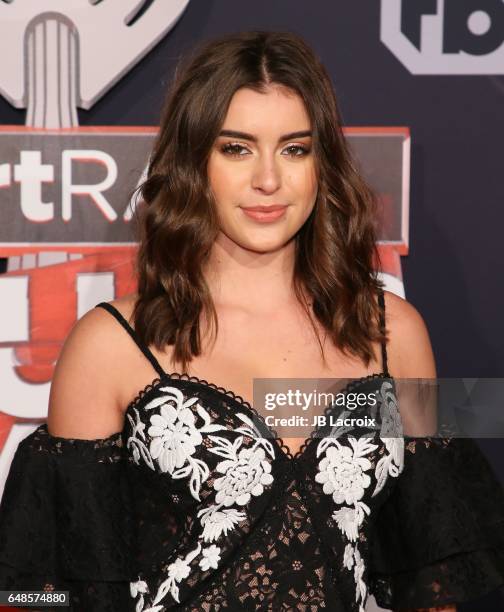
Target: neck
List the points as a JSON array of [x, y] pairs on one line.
[[255, 281]]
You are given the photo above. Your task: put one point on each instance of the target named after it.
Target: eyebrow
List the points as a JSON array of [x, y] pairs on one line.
[[252, 138]]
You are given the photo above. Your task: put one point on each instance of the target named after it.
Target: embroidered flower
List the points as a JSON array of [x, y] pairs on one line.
[[140, 586], [361, 588], [350, 519], [391, 422], [392, 463], [395, 448], [179, 569], [348, 558], [211, 557], [244, 476], [342, 473], [174, 437], [347, 522], [216, 522]]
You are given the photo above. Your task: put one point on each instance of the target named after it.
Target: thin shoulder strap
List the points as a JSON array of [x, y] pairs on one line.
[[381, 302], [145, 350]]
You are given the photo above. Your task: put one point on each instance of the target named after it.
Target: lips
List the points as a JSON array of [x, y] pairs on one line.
[[271, 208], [265, 214]]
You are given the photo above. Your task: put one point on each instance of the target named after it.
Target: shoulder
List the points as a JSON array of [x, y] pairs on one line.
[[84, 399], [409, 349], [125, 306], [97, 329]]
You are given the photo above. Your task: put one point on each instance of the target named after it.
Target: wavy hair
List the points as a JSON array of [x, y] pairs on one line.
[[336, 256]]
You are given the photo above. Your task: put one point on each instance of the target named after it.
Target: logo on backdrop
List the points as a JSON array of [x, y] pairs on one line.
[[64, 216], [445, 36], [72, 52], [60, 59]]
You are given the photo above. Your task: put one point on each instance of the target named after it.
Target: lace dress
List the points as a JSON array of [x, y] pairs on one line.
[[197, 505]]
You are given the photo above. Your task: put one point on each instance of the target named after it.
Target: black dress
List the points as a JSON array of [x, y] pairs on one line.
[[196, 505]]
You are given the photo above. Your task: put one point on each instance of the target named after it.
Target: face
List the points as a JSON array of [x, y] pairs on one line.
[[263, 157]]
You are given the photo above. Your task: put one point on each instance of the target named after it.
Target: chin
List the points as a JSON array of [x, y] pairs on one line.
[[261, 240], [263, 246]]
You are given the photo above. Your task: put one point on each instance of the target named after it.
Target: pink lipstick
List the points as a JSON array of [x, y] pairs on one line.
[[265, 214]]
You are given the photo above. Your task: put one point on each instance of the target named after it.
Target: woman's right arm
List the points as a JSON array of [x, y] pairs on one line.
[[66, 514], [83, 399]]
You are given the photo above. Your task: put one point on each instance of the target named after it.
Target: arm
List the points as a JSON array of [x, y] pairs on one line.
[[65, 516], [410, 356], [409, 350], [83, 400], [411, 362]]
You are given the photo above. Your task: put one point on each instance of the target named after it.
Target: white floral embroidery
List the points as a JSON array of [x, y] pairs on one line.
[[216, 522], [392, 463], [139, 588], [348, 557], [342, 472], [175, 437], [350, 519], [244, 475], [135, 441], [177, 571], [174, 440], [211, 557], [361, 587]]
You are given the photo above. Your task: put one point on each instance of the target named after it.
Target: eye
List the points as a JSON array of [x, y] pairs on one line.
[[238, 150], [233, 149], [297, 150]]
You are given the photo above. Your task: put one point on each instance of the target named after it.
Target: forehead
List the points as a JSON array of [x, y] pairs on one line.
[[279, 109]]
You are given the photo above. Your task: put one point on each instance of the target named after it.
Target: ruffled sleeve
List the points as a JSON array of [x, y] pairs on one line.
[[65, 521], [439, 537]]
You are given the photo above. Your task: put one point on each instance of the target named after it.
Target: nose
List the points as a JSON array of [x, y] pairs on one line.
[[266, 174]]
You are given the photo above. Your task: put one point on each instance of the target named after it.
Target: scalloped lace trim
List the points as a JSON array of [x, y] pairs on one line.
[[240, 401]]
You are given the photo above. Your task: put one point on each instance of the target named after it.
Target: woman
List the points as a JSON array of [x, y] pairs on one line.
[[256, 260]]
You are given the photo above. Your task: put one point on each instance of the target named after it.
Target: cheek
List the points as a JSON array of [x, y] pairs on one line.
[[216, 178], [224, 180], [304, 184]]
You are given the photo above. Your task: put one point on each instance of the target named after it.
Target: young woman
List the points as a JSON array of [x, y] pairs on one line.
[[257, 259]]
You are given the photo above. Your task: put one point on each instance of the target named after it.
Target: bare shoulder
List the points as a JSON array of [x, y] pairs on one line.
[[125, 306], [84, 400], [409, 348]]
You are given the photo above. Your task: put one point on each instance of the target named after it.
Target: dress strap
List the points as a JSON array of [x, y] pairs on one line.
[[381, 302], [145, 349]]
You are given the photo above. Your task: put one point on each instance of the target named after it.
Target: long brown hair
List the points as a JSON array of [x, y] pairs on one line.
[[335, 249]]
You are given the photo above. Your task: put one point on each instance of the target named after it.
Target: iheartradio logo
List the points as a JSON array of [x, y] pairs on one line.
[[59, 51]]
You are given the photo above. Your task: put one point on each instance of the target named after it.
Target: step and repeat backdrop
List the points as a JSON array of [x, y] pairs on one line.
[[421, 88]]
